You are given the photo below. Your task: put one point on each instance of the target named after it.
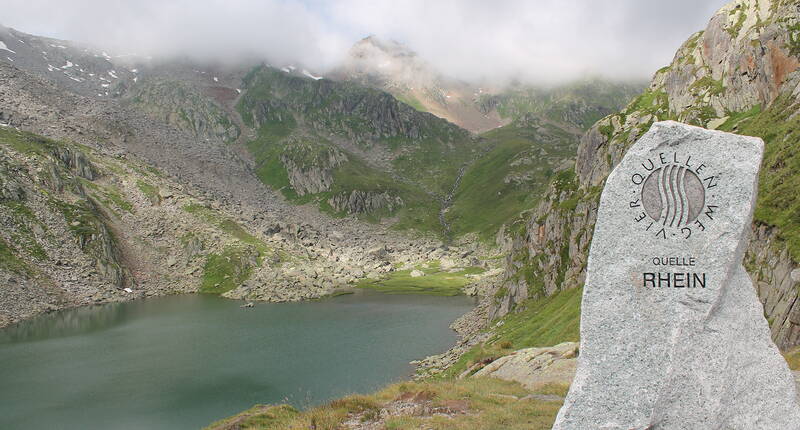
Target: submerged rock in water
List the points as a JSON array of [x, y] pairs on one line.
[[672, 333]]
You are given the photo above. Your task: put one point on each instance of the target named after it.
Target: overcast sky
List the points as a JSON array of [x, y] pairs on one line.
[[535, 40]]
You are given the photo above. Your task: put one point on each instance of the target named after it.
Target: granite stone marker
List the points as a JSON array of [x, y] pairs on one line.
[[672, 333]]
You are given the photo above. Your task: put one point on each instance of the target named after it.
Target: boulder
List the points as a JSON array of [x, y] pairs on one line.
[[672, 333], [536, 367]]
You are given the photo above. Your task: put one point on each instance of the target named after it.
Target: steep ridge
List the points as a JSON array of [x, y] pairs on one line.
[[739, 74]]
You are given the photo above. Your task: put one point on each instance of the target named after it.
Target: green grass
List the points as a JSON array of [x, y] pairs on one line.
[[793, 358], [709, 84], [10, 261], [435, 282], [412, 101], [539, 322], [227, 225], [149, 190], [228, 269], [491, 404], [485, 200], [778, 201], [579, 103], [26, 142], [225, 271]]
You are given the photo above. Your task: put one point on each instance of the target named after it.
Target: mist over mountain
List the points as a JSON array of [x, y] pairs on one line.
[[537, 42]]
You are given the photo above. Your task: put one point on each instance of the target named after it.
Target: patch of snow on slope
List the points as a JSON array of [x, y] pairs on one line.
[[3, 47], [307, 73], [112, 74], [285, 69], [68, 65], [215, 79], [10, 59]]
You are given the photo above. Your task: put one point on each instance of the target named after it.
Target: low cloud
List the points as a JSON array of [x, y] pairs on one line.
[[542, 41]]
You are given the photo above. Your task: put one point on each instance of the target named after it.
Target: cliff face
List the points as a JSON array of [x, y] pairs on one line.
[[740, 75]]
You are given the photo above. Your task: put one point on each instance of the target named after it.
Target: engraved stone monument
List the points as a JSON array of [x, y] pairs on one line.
[[672, 333]]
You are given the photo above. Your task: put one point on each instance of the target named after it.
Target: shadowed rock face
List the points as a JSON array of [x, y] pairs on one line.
[[692, 350]]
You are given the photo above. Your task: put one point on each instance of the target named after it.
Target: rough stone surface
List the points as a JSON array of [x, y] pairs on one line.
[[659, 357], [536, 367]]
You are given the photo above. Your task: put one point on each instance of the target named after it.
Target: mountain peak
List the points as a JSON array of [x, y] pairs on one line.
[[373, 43]]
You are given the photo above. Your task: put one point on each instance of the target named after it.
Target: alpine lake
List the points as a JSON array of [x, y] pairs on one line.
[[183, 362]]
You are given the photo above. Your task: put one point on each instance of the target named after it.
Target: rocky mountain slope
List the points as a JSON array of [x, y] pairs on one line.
[[739, 74], [351, 149], [127, 196]]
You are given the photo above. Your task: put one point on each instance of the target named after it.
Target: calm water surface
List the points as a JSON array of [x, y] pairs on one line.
[[182, 362]]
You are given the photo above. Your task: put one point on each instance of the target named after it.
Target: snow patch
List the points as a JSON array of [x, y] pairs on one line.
[[104, 85], [307, 73], [58, 46], [68, 65], [10, 59], [50, 68], [239, 90], [113, 74], [76, 79], [215, 79], [3, 47], [135, 78], [286, 70], [292, 67], [134, 70]]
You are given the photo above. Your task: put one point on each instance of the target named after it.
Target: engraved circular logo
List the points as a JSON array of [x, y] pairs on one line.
[[673, 196]]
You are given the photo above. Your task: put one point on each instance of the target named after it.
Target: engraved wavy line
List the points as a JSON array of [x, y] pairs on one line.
[[670, 195], [673, 185], [683, 195], [662, 195]]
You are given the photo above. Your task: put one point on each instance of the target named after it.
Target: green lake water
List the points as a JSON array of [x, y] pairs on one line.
[[182, 362]]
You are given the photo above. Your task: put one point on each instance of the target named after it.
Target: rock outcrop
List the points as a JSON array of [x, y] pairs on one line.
[[536, 367]]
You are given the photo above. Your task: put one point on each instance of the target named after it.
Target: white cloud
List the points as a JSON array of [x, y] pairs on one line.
[[542, 40]]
